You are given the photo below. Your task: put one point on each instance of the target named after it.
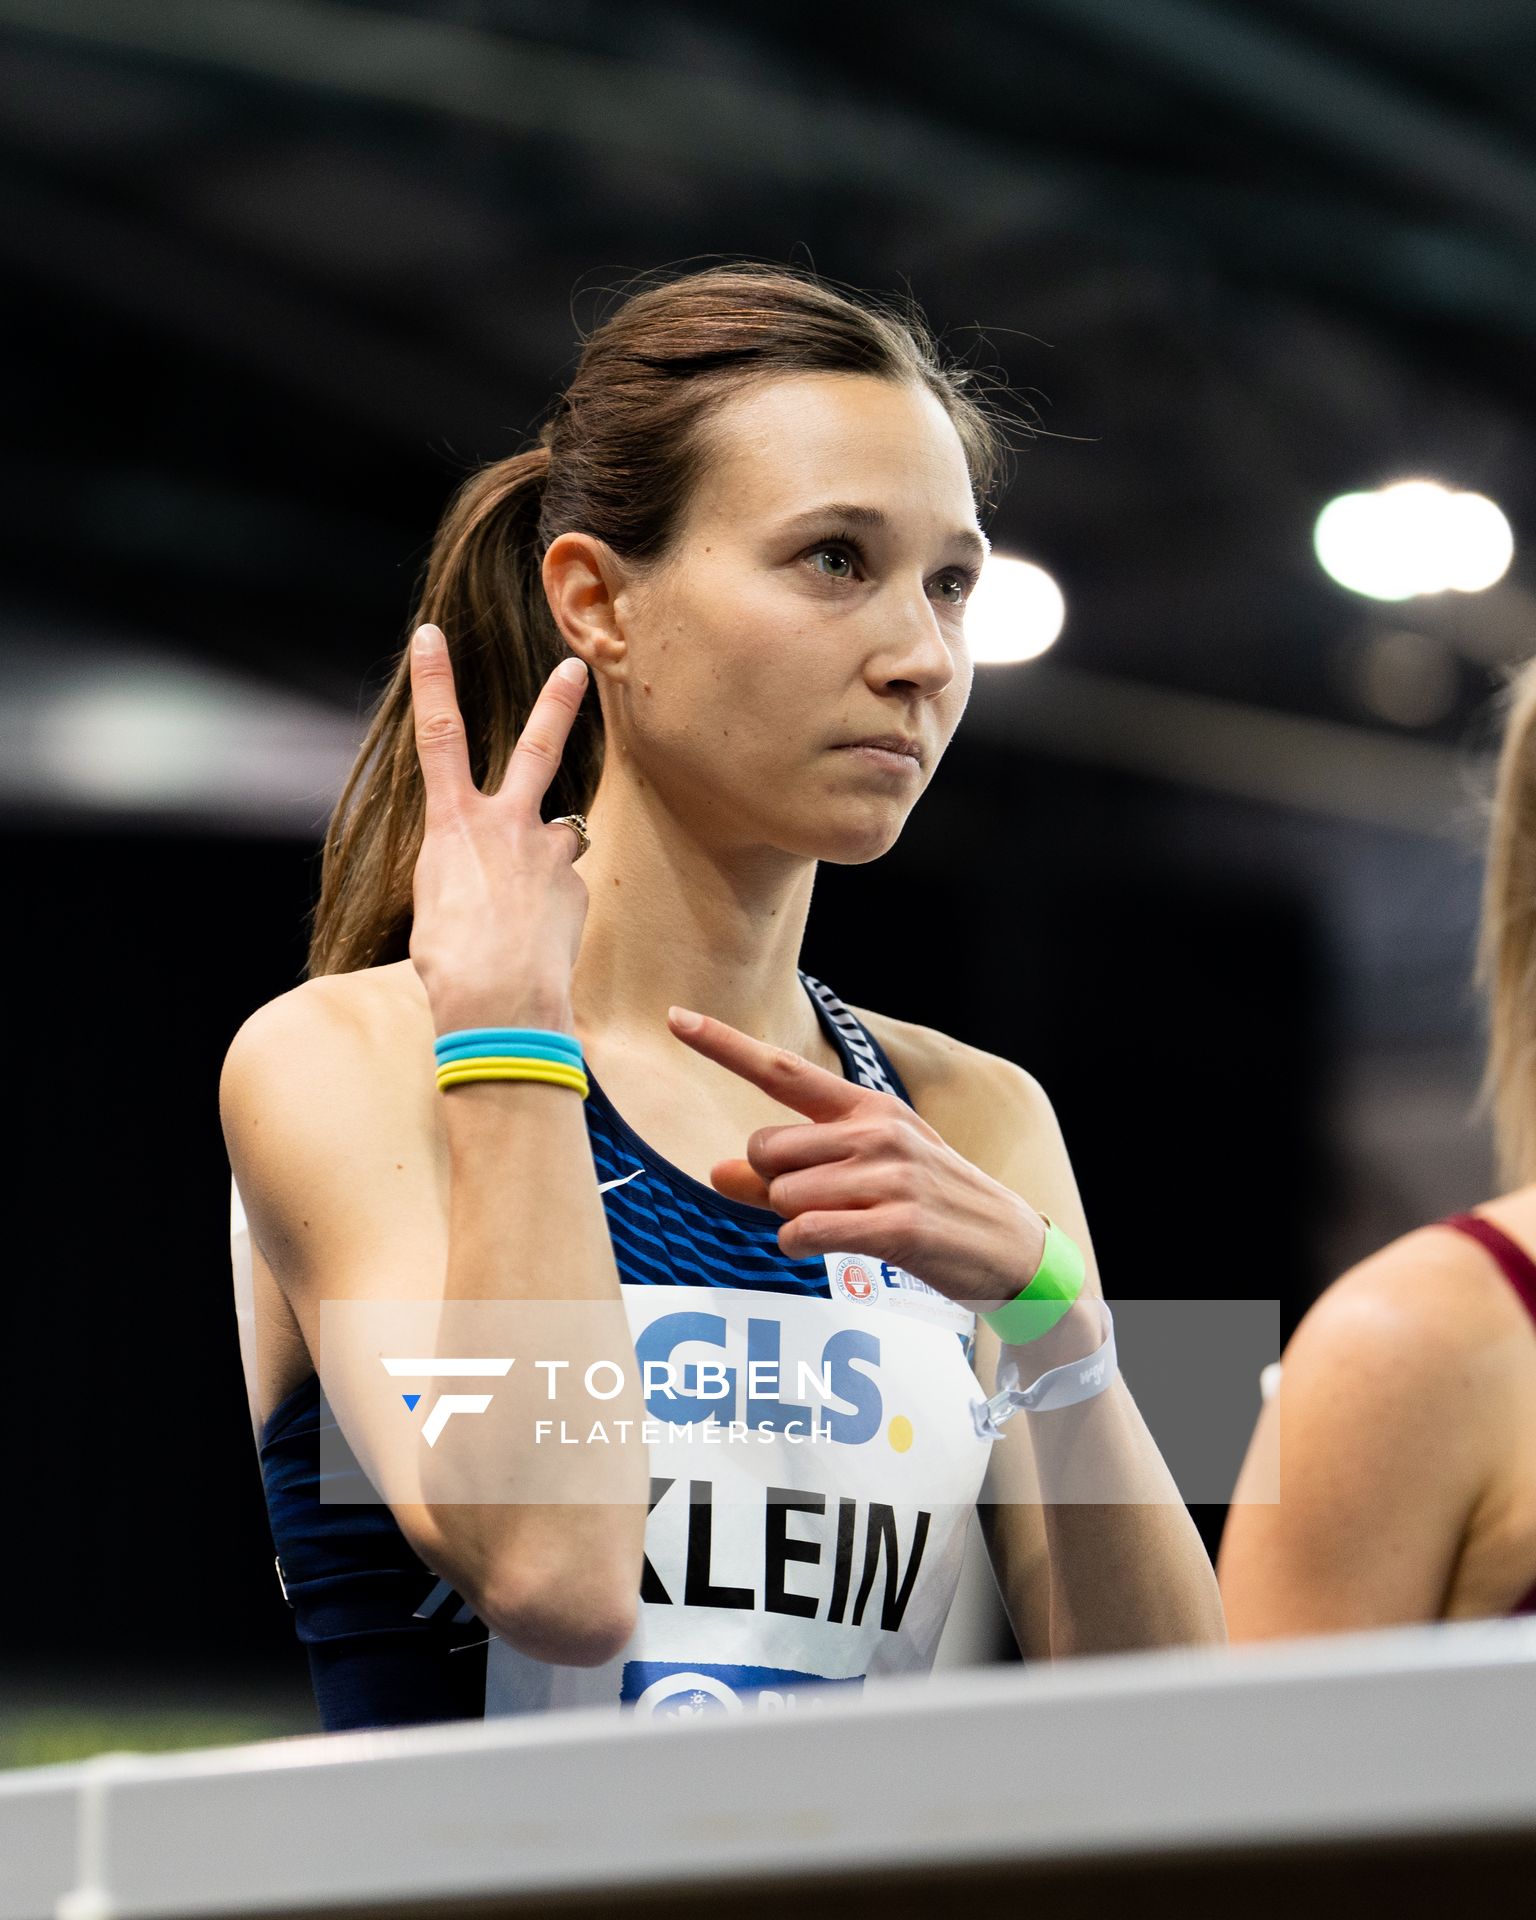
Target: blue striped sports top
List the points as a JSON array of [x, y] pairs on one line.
[[389, 1643]]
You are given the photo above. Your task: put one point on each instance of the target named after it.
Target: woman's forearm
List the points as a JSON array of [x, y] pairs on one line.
[[554, 1532], [1127, 1564]]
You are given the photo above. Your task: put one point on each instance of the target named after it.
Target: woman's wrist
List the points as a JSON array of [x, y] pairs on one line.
[[1037, 1382], [1057, 1273], [1078, 1333], [471, 1055], [551, 1012]]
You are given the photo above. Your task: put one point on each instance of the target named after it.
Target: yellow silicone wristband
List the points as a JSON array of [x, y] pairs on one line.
[[529, 1060], [577, 1085], [466, 1070]]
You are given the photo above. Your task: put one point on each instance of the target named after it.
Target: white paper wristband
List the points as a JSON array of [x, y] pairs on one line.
[[1062, 1386]]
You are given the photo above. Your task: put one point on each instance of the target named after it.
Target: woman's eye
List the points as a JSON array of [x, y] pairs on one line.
[[843, 561]]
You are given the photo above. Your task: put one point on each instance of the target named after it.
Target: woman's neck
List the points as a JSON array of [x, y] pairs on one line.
[[673, 922]]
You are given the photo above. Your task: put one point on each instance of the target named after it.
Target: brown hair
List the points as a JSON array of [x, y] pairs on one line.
[[1506, 952], [618, 458]]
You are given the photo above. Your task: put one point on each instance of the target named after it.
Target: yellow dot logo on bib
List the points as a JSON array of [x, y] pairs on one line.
[[899, 1432]]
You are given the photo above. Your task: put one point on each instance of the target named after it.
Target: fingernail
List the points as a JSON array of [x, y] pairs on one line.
[[428, 639], [682, 1017], [573, 670]]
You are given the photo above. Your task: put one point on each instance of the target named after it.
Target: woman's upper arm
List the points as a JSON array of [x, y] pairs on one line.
[[339, 1186], [1373, 1445], [317, 1118]]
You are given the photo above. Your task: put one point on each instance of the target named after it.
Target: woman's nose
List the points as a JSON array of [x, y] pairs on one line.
[[916, 649]]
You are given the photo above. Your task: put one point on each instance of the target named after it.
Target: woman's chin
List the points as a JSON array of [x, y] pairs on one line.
[[853, 843]]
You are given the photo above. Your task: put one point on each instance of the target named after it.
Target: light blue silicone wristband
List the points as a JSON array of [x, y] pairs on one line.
[[480, 1049], [509, 1040]]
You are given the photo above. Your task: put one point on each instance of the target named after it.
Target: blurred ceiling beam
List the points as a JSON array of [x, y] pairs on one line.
[[133, 265], [520, 87], [99, 732], [1306, 88], [719, 127], [1320, 767], [133, 730]]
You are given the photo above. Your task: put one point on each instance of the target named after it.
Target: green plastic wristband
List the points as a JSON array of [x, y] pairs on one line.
[[1048, 1297]]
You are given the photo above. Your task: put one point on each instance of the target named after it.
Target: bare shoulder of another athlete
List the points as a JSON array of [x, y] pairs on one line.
[[1433, 1298], [1419, 1350], [1413, 1355]]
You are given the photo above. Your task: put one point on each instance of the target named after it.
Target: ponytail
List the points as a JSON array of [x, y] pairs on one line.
[[483, 588], [1506, 958]]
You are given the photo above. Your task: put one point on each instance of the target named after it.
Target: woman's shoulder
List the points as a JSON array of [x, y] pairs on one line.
[[358, 1012], [326, 1068], [955, 1086], [1421, 1350], [1431, 1298]]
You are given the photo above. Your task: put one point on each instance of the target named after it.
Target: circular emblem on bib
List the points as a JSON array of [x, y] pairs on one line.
[[681, 1696], [852, 1279]]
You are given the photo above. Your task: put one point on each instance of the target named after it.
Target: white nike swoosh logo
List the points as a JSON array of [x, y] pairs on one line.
[[604, 1185]]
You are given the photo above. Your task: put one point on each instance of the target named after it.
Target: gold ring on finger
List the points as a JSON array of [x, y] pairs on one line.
[[579, 826]]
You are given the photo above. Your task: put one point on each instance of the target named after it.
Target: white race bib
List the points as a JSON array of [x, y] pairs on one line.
[[816, 1469]]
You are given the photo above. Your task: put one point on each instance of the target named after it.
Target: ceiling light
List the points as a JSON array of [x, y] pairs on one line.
[[1014, 613], [1413, 537]]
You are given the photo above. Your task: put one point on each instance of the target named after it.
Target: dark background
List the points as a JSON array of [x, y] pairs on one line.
[[277, 274]]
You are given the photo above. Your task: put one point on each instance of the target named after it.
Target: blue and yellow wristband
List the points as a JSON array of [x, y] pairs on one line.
[[509, 1053]]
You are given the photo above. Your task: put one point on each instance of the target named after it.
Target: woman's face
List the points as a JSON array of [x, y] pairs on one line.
[[815, 595]]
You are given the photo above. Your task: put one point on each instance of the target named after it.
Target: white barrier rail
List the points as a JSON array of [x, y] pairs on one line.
[[1385, 1737]]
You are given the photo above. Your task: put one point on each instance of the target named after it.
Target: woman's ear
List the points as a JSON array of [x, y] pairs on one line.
[[583, 578]]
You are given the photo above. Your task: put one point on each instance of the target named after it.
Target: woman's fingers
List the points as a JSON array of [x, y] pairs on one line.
[[443, 748], [804, 1143], [793, 1081], [536, 756], [737, 1181], [440, 743]]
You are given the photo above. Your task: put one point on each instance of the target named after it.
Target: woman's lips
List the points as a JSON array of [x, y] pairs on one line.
[[881, 757]]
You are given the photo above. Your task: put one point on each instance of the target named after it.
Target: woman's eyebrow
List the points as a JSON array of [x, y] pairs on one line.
[[876, 520]]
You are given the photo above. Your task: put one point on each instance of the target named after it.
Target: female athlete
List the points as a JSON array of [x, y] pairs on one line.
[[1407, 1395], [715, 620]]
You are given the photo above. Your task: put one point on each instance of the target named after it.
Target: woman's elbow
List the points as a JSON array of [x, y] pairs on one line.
[[573, 1618]]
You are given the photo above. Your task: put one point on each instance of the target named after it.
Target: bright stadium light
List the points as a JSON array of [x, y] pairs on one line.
[[1014, 613], [1412, 538]]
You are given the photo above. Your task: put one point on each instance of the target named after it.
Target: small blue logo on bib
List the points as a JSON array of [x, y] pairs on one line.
[[666, 1690]]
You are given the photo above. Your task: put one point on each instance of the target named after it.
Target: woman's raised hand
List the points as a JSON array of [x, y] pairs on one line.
[[498, 906]]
